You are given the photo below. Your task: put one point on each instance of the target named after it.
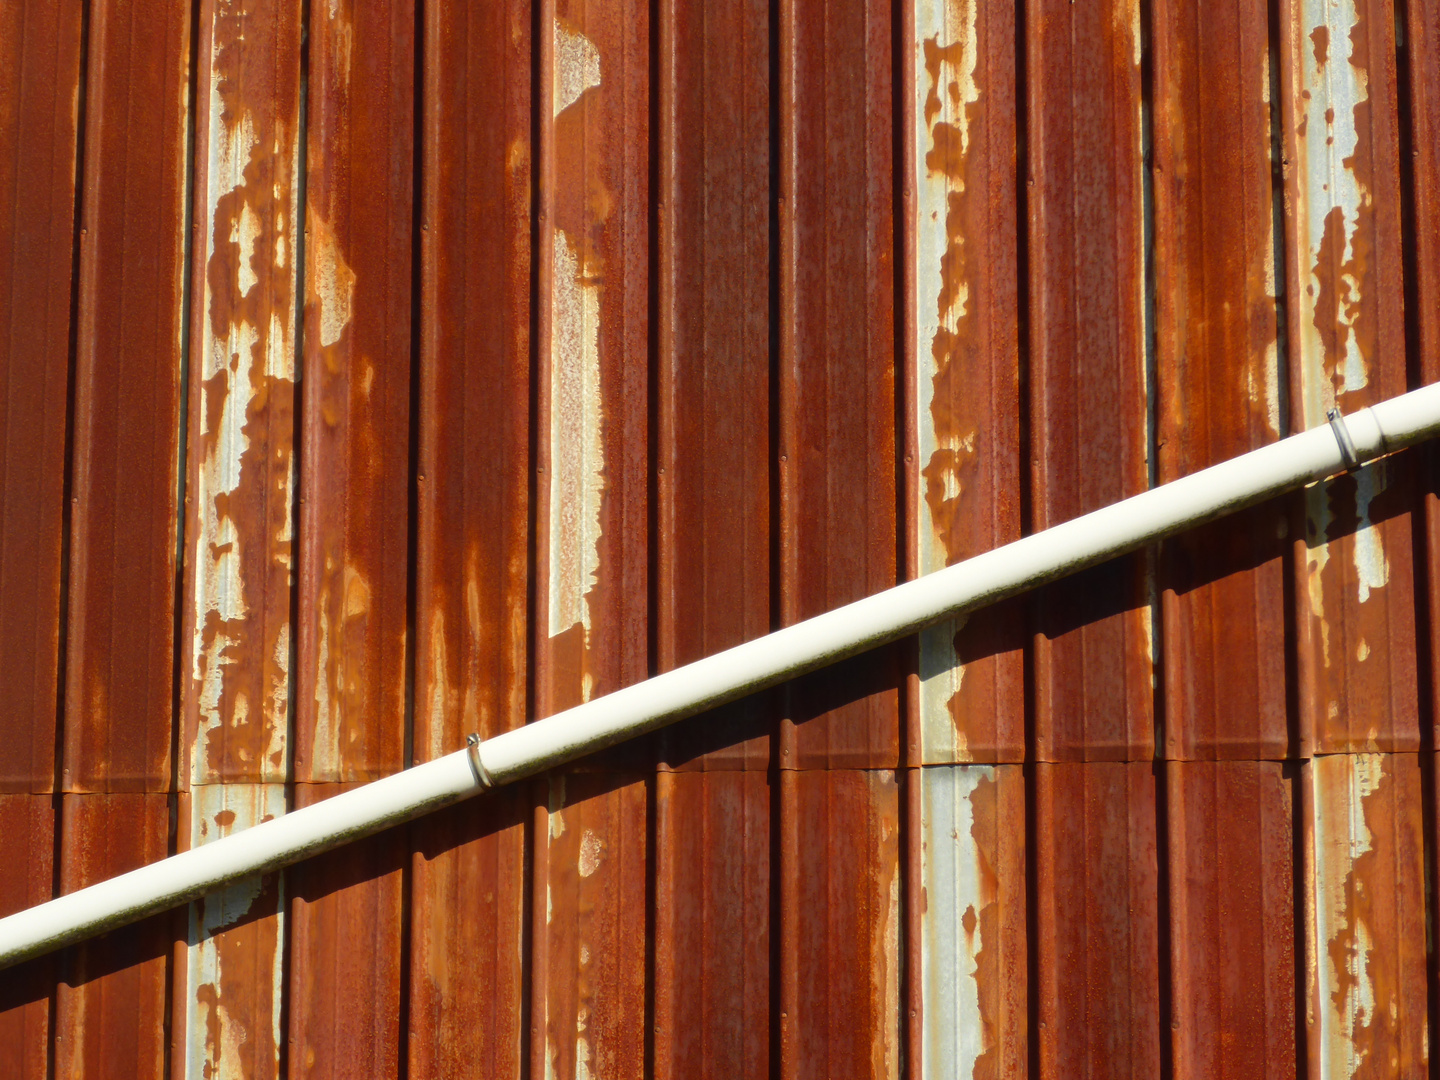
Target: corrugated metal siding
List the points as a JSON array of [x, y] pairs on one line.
[[379, 372]]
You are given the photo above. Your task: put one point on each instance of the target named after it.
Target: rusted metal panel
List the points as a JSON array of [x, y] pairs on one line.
[[354, 487], [837, 365], [1088, 384], [39, 93], [962, 451], [713, 469], [121, 627], [974, 958], [473, 474], [1218, 378], [467, 938], [27, 849], [1346, 346], [1231, 886], [590, 913], [111, 998], [1097, 927], [240, 497], [839, 923], [1421, 52], [592, 616], [712, 900], [1366, 937], [229, 982], [343, 966], [472, 564]]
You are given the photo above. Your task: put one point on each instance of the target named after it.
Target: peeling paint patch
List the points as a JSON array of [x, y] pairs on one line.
[[577, 461], [241, 457], [972, 865], [1369, 941], [1372, 571], [577, 67], [234, 968], [1334, 93], [331, 284], [945, 103]]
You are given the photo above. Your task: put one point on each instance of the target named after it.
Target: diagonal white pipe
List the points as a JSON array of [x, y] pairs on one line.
[[886, 616]]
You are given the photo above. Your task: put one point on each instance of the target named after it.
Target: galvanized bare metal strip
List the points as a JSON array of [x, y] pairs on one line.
[[685, 691]]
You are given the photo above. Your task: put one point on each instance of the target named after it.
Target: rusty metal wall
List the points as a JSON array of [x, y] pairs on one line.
[[380, 371]]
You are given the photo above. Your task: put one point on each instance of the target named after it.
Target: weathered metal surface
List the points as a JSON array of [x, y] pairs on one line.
[[342, 989], [836, 392], [110, 1001], [27, 850], [229, 983], [467, 938], [962, 449], [592, 530], [590, 916], [713, 468], [472, 563], [839, 924], [1097, 920], [1088, 429], [120, 631], [1366, 937], [1420, 40], [973, 970], [712, 937], [240, 569], [837, 366], [1233, 923], [1355, 613], [1217, 372], [670, 425], [473, 473], [354, 483], [39, 94]]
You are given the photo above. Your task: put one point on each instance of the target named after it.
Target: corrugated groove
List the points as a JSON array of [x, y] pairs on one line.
[[1097, 919], [1354, 578], [837, 366], [120, 627], [1089, 442], [111, 992], [963, 407], [343, 984], [1218, 370], [711, 983], [239, 641], [39, 104], [1233, 919], [671, 425], [27, 844], [354, 521], [351, 684], [467, 886]]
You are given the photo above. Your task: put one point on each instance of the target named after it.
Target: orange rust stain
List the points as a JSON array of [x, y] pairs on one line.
[[595, 983], [1320, 36], [997, 805], [241, 1012], [1376, 978]]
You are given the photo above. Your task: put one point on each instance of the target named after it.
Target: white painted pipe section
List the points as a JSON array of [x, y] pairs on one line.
[[881, 618]]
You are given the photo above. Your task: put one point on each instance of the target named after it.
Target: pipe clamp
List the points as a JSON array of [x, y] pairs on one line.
[[1342, 436]]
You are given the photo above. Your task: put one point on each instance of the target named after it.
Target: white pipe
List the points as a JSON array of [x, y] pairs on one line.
[[881, 618]]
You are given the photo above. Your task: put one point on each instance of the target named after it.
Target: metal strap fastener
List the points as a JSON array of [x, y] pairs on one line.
[[1342, 436], [481, 773]]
